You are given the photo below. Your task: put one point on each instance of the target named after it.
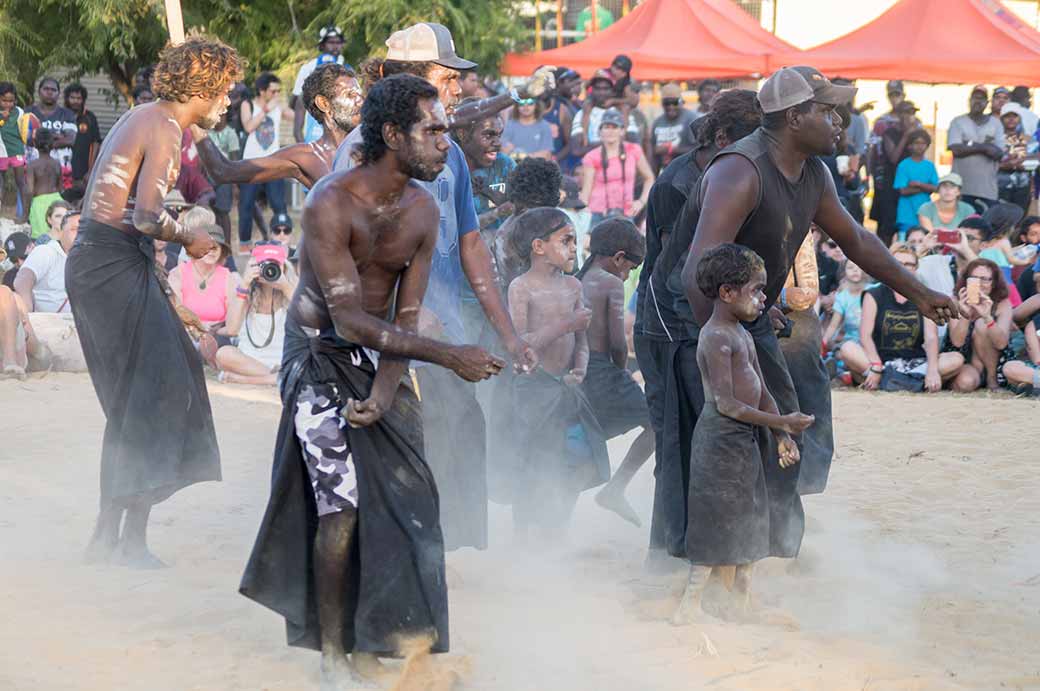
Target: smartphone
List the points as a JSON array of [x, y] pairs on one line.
[[948, 237], [973, 290]]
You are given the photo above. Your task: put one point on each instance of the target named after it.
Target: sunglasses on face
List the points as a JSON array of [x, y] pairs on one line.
[[526, 102], [669, 101], [281, 231]]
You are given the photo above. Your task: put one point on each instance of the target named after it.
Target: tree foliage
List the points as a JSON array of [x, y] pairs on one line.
[[118, 37]]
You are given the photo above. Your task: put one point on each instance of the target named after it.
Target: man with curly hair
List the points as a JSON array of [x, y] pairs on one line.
[[331, 95], [148, 377], [350, 550]]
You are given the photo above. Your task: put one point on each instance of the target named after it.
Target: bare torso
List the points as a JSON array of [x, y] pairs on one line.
[[46, 175], [718, 341], [112, 192], [384, 238], [548, 300], [602, 290]]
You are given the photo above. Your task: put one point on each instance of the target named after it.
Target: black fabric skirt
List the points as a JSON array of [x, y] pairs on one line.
[[159, 434], [728, 502], [456, 451], [547, 448], [398, 586], [812, 384], [616, 399]]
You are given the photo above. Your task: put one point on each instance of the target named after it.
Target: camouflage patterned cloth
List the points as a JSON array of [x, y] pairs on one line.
[[322, 432]]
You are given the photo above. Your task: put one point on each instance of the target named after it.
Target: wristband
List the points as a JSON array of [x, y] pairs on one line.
[[241, 291], [877, 364], [991, 324], [783, 298]]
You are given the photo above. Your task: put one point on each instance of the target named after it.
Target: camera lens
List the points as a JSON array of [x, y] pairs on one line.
[[270, 271]]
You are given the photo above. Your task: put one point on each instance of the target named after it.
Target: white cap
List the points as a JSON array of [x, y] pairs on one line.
[[425, 42]]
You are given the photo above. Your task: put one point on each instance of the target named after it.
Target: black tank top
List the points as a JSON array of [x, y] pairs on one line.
[[784, 211], [898, 328]]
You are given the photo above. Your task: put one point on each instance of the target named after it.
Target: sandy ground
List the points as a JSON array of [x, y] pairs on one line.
[[920, 569]]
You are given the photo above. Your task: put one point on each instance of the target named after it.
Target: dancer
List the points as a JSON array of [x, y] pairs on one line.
[[728, 499], [159, 433], [764, 192], [620, 405], [350, 549], [331, 95]]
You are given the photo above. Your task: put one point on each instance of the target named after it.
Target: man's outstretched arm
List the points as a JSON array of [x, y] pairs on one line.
[[867, 251], [277, 166]]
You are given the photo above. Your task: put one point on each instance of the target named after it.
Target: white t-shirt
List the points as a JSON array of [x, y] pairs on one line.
[[47, 262], [263, 141]]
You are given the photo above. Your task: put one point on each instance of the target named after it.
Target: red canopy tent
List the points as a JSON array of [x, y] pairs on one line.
[[934, 41], [669, 39]]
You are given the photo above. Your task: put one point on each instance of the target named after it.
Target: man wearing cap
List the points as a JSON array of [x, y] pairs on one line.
[[976, 140], [672, 134], [764, 192], [427, 50], [1001, 95], [331, 93], [1013, 181], [330, 45], [585, 130], [17, 247]]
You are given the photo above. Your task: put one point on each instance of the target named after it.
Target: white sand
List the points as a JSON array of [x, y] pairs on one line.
[[920, 569]]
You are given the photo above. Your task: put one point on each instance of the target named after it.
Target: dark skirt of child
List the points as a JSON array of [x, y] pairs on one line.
[[616, 399], [811, 382], [456, 451], [728, 503], [397, 565], [547, 448], [159, 434]]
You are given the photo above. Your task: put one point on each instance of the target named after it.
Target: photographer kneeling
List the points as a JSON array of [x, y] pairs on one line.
[[258, 318]]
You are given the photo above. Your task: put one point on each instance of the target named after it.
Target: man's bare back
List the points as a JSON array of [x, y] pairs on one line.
[[44, 176], [535, 301], [145, 144]]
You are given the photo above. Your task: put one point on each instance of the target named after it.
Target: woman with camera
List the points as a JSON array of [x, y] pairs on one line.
[[983, 337], [609, 172], [203, 290], [258, 318]]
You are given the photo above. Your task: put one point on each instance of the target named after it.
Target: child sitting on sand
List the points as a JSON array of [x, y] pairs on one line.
[[728, 512], [848, 305], [616, 248], [558, 447]]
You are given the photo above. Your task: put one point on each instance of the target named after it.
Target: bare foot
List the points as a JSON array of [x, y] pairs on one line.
[[613, 500], [337, 674], [452, 578], [101, 548], [371, 669], [138, 558], [13, 372], [715, 600]]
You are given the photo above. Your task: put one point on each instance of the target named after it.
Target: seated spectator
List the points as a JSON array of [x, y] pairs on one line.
[[996, 243], [829, 268], [206, 288], [939, 268], [18, 343], [917, 240], [983, 337], [55, 214], [1013, 181], [609, 173], [258, 319], [948, 210], [848, 305], [40, 283], [916, 179], [282, 232], [896, 342], [1027, 317], [526, 134], [17, 247]]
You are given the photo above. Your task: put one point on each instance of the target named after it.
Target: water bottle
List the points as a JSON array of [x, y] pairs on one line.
[[1025, 253]]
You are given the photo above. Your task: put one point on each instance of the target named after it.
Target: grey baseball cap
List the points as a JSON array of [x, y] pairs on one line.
[[425, 42], [613, 117], [792, 86]]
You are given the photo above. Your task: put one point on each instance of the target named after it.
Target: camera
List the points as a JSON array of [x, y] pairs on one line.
[[270, 259]]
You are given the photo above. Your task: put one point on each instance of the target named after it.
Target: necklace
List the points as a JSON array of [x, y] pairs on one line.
[[202, 280]]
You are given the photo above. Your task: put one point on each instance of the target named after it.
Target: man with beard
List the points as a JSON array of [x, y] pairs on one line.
[[764, 192], [88, 136], [148, 377], [350, 549], [456, 451], [331, 96], [481, 143]]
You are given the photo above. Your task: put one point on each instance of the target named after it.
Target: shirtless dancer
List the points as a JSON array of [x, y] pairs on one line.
[[159, 433], [332, 96], [359, 505]]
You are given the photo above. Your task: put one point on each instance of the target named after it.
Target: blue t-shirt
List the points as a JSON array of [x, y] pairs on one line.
[[494, 178], [909, 171], [453, 193], [850, 307]]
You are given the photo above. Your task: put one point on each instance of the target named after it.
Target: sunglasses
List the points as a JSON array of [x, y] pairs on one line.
[[669, 101], [526, 102], [334, 30], [281, 231]]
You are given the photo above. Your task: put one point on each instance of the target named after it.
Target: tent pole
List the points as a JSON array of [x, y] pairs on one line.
[[559, 23], [625, 8], [175, 21], [538, 26], [595, 17], [777, 2]]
